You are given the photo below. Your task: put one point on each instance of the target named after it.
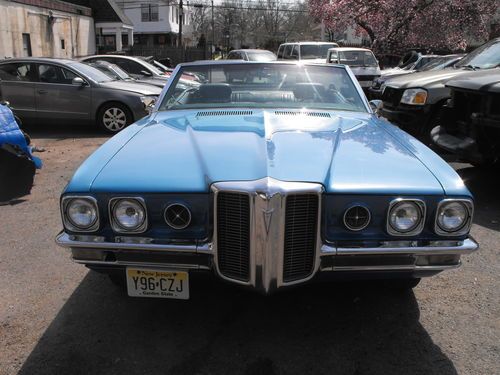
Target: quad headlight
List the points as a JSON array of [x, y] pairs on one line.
[[454, 217], [80, 214], [128, 215], [406, 217], [414, 97]]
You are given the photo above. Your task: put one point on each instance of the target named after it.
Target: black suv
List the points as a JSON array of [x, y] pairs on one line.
[[414, 101], [470, 124]]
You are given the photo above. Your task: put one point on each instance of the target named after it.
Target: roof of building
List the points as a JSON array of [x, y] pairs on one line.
[[104, 11]]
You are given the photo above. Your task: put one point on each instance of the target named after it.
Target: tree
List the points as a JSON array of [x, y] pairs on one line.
[[396, 25]]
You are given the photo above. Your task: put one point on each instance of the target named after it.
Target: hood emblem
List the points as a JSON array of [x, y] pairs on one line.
[[268, 214]]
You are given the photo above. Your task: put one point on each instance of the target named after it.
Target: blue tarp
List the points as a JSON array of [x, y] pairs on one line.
[[11, 135]]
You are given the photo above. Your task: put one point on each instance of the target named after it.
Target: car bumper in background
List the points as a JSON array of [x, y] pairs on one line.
[[386, 259], [409, 118]]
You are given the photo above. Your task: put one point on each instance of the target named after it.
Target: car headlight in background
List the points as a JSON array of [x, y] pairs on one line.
[[454, 217], [406, 217], [149, 102], [80, 214], [128, 215], [414, 97]]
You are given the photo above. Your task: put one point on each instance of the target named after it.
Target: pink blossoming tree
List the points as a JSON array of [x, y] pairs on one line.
[[396, 25]]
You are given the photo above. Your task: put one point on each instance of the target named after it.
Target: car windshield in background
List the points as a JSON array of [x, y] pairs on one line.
[[261, 85], [91, 72], [485, 57], [112, 70], [357, 58], [315, 51], [261, 56]]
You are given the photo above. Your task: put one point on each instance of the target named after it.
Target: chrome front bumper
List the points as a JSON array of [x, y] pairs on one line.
[[386, 257]]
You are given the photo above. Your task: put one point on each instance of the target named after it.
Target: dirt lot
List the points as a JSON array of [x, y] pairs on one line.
[[56, 317]]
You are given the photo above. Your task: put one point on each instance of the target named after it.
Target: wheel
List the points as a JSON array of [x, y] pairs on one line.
[[401, 284], [114, 117]]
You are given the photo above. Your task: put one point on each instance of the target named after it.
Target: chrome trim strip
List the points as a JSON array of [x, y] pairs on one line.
[[469, 205], [394, 268], [467, 246], [141, 264], [69, 241]]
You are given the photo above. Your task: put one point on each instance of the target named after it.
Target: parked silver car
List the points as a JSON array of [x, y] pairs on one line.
[[59, 90]]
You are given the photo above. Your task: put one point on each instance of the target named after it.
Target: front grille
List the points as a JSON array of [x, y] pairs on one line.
[[233, 235], [301, 223], [392, 96]]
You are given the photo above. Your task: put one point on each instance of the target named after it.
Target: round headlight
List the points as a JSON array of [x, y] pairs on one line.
[[81, 213], [129, 214], [452, 216], [405, 216]]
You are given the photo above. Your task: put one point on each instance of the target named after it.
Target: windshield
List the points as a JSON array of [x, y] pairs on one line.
[[315, 51], [112, 70], [261, 85], [440, 63], [91, 72], [485, 57], [357, 58], [261, 56]]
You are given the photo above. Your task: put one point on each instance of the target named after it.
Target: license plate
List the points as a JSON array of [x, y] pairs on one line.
[[366, 83], [144, 282]]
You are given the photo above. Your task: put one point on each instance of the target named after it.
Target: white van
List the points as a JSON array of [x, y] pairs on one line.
[[310, 51], [362, 62]]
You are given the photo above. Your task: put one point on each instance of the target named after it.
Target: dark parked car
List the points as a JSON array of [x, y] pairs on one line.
[[414, 102], [470, 124], [135, 66], [433, 63], [115, 72], [57, 90]]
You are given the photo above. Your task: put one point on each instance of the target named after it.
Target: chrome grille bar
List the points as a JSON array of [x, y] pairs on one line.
[[301, 225], [233, 235]]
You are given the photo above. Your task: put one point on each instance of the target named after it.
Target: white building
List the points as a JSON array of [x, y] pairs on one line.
[[157, 22], [52, 28]]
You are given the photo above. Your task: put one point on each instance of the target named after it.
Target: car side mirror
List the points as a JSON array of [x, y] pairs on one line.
[[376, 106], [146, 73], [77, 81]]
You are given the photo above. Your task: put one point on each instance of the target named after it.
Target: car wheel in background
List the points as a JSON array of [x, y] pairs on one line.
[[113, 117]]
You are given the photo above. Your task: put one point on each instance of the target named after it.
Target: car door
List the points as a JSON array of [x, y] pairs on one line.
[[17, 86], [57, 98]]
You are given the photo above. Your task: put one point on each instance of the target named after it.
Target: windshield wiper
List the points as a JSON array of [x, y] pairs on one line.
[[471, 67]]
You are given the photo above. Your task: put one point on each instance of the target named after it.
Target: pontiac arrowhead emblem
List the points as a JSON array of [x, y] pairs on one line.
[[268, 214]]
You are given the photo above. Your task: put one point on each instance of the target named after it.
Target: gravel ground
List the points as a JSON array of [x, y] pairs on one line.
[[56, 317]]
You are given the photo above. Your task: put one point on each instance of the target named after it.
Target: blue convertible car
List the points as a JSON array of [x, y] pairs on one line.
[[267, 175]]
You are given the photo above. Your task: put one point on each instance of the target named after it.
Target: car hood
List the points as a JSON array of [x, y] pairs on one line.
[[486, 81], [425, 79], [139, 88], [185, 151], [158, 82]]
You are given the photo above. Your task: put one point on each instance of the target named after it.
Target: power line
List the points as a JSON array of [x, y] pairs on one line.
[[277, 9]]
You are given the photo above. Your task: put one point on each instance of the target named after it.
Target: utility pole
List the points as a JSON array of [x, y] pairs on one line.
[[181, 19], [213, 28]]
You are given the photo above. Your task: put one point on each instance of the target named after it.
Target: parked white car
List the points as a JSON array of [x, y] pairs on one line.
[[310, 51], [362, 62]]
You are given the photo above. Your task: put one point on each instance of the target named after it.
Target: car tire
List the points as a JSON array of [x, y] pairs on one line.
[[114, 117], [401, 284], [434, 120]]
